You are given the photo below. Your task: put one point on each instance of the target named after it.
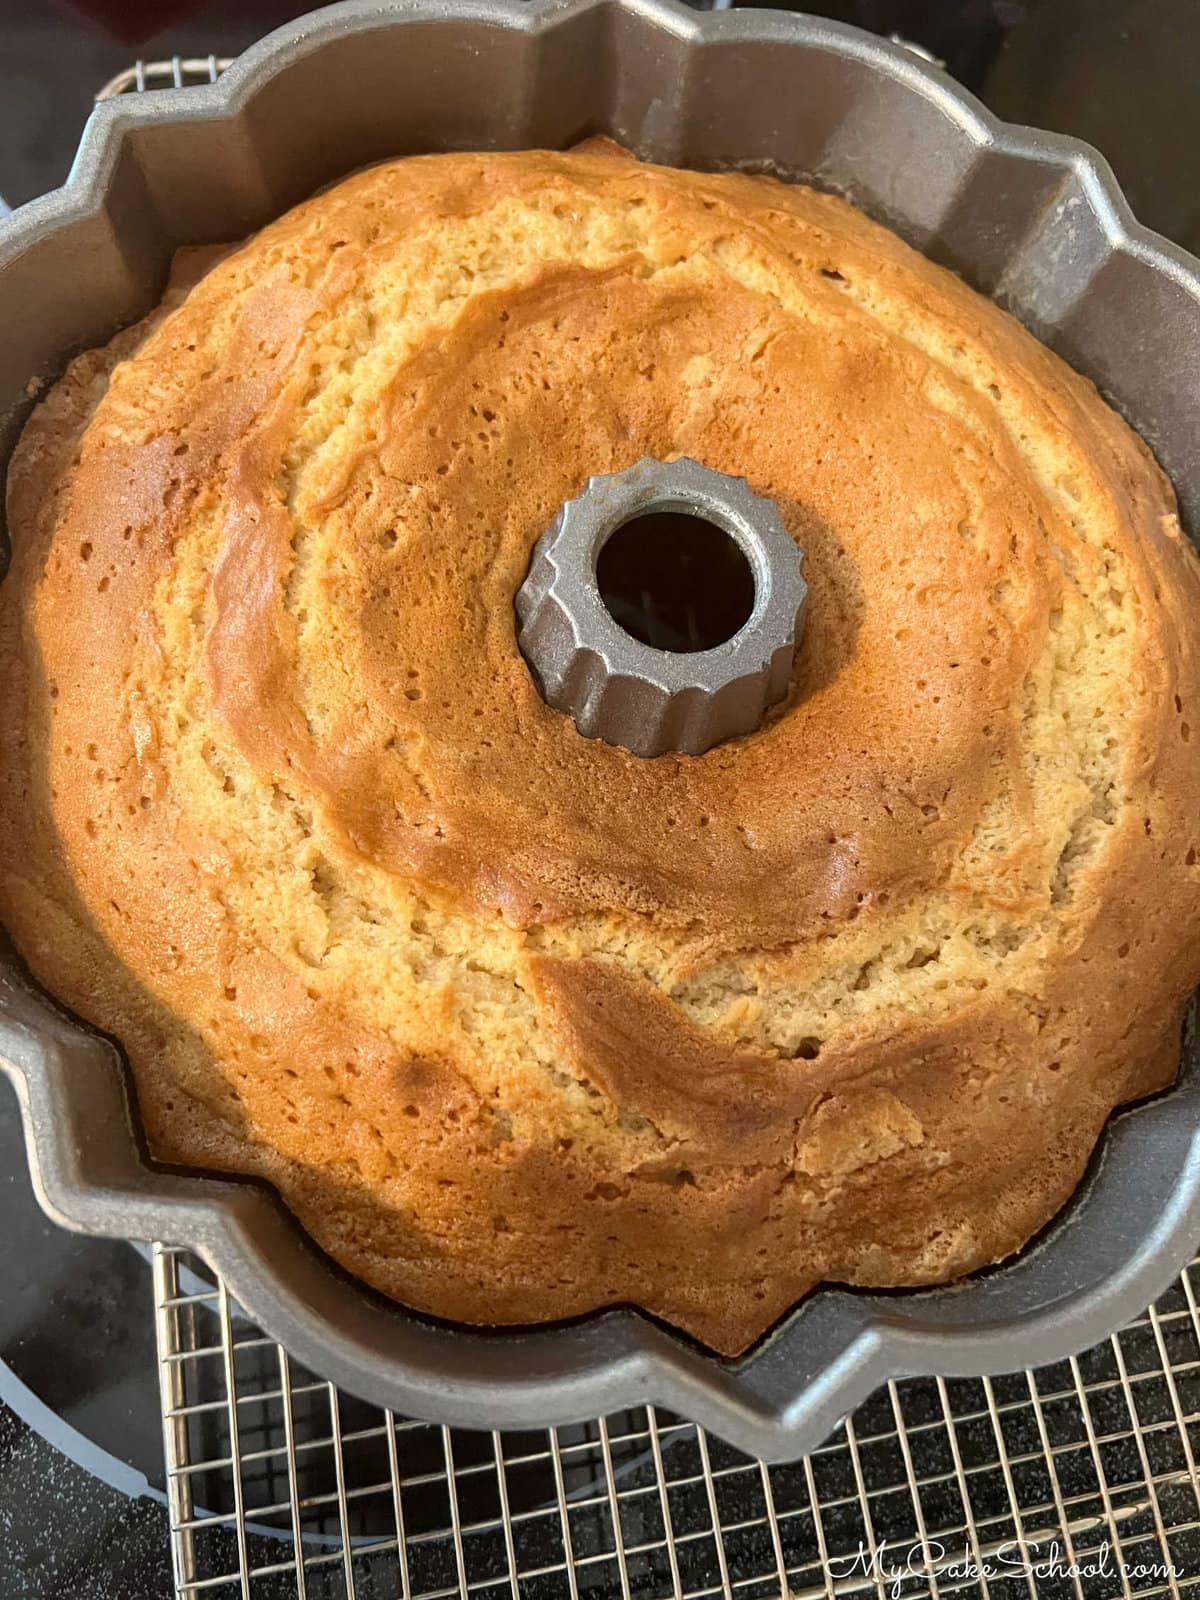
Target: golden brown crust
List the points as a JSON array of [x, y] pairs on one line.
[[280, 805]]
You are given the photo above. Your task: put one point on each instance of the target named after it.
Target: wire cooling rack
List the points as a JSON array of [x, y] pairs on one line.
[[176, 73], [1076, 1480]]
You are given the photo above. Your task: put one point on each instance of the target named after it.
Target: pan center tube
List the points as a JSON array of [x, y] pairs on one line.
[[663, 608]]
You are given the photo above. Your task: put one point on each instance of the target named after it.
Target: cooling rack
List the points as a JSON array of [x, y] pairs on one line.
[[174, 73], [1075, 1480]]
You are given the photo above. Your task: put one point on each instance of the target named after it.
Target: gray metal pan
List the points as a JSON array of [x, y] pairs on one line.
[[1032, 219]]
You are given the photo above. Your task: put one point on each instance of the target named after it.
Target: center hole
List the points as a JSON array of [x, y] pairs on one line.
[[675, 581]]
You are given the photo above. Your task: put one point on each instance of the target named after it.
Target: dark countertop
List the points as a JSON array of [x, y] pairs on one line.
[[79, 1516]]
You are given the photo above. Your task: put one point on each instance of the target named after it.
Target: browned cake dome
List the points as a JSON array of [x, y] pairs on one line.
[[518, 1023]]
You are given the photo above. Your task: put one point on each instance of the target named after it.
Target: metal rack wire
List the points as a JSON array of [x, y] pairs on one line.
[[177, 73], [1077, 1480]]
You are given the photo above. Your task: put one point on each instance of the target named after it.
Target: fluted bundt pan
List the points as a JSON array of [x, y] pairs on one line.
[[1033, 220]]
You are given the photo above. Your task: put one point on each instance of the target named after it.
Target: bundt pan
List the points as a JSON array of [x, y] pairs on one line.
[[1033, 220]]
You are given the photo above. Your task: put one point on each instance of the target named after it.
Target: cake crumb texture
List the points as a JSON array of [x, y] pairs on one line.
[[518, 1023]]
